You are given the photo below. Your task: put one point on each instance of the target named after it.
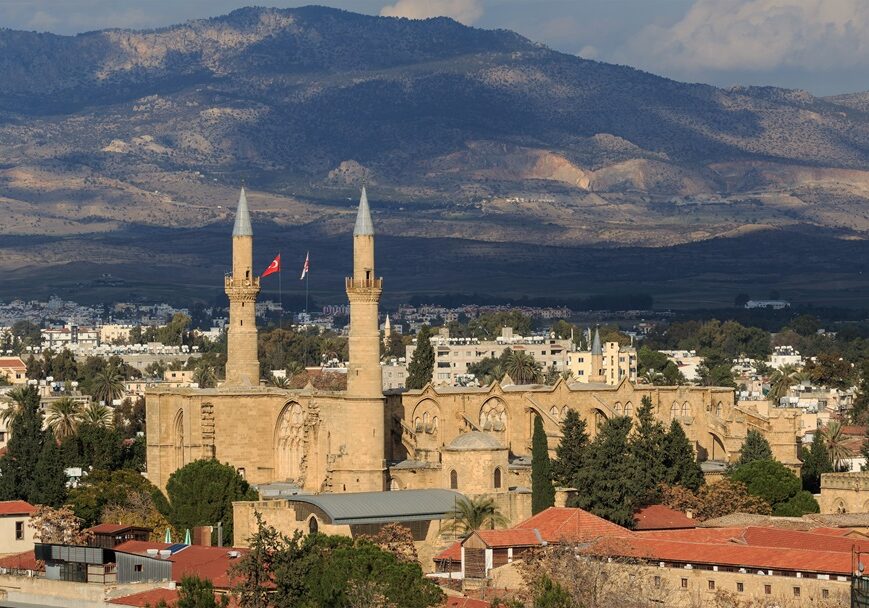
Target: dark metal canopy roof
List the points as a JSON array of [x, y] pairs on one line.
[[383, 507]]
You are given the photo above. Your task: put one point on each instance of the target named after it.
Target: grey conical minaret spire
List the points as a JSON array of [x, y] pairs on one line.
[[596, 348], [364, 227], [242, 217]]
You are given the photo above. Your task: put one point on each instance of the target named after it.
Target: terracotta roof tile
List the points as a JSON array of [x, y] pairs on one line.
[[12, 363], [16, 507], [564, 524], [729, 554], [21, 561], [148, 598], [453, 552], [465, 602], [659, 517], [516, 537]]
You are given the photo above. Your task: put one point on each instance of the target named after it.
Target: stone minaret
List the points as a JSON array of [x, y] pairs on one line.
[[387, 331], [597, 374], [363, 290], [242, 287], [358, 438]]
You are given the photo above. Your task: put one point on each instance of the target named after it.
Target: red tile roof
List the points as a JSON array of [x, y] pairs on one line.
[[21, 561], [754, 536], [727, 554], [838, 532], [465, 602], [12, 363], [453, 552], [659, 517], [113, 528], [563, 524], [16, 507], [516, 537], [148, 598], [212, 563]]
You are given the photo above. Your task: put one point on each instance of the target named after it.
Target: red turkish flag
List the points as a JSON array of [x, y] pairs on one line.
[[275, 266]]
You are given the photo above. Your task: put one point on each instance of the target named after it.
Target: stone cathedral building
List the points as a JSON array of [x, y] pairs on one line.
[[474, 440]]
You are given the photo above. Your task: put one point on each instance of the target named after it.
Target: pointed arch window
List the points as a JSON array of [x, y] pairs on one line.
[[454, 480], [497, 478]]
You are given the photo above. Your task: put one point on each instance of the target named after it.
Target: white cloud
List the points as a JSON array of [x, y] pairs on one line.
[[589, 52], [465, 11], [757, 35]]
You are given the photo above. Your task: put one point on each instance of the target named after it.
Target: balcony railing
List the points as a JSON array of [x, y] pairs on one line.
[[354, 283]]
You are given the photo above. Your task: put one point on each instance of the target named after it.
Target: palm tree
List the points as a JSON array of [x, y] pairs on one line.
[[97, 414], [19, 396], [522, 367], [651, 376], [205, 376], [475, 513], [107, 385], [64, 416], [780, 381], [836, 442], [279, 381]]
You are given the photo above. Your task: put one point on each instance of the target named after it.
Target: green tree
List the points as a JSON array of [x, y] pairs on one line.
[[205, 376], [542, 490], [571, 448], [680, 461], [19, 397], [522, 367], [716, 375], [831, 370], [421, 367], [836, 443], [755, 447], [472, 514], [606, 478], [798, 505], [28, 462], [202, 492], [101, 488], [49, 482], [549, 594], [107, 385], [773, 482], [816, 462], [647, 445], [97, 414], [196, 592], [64, 416], [174, 333], [780, 381]]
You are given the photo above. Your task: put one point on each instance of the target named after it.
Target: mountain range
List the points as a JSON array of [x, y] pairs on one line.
[[494, 164]]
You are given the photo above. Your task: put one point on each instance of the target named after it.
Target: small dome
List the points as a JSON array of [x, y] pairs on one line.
[[475, 440]]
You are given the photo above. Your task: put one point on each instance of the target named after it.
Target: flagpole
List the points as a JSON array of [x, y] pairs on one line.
[[280, 298], [307, 273]]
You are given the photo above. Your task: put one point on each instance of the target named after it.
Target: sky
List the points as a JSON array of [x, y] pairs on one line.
[[818, 45]]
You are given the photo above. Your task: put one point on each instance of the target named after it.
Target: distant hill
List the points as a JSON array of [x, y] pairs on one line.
[[464, 135]]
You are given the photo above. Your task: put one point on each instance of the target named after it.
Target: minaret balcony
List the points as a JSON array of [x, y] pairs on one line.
[[229, 282], [354, 283]]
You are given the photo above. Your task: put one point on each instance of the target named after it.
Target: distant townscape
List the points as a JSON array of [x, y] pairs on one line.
[[480, 455]]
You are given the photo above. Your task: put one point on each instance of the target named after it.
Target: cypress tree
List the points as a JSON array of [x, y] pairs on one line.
[[816, 461], [48, 486], [419, 372], [605, 482], [570, 450], [18, 466], [755, 447], [542, 490], [680, 462], [647, 446]]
